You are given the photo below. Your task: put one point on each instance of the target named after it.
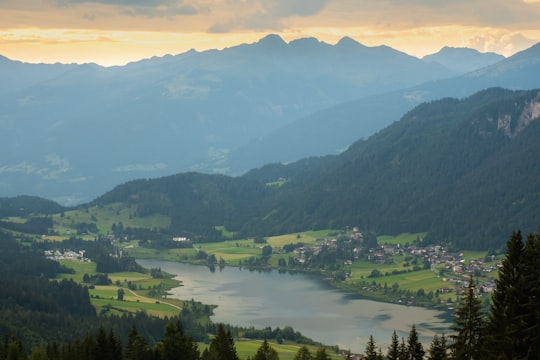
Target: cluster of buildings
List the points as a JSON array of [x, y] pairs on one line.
[[65, 255]]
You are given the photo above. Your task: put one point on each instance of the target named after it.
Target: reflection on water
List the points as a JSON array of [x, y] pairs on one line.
[[277, 299]]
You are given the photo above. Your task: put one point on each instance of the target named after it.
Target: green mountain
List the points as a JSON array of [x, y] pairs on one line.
[[465, 171]]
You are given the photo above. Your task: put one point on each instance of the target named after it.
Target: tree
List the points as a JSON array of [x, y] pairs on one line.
[[504, 331], [403, 353], [415, 350], [321, 354], [266, 352], [393, 349], [176, 345], [222, 346], [469, 325], [371, 350], [303, 354], [530, 320], [120, 293], [438, 349], [137, 347], [15, 350]]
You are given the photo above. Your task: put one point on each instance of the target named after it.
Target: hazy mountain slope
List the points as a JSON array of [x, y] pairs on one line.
[[76, 134], [463, 170], [463, 60], [332, 130], [17, 76]]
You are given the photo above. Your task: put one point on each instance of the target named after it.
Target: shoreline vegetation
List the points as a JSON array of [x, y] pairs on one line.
[[397, 269]]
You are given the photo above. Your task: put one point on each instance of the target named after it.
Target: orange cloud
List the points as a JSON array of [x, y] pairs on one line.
[[117, 31]]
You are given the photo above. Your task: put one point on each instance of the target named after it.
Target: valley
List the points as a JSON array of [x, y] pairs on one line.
[[407, 220]]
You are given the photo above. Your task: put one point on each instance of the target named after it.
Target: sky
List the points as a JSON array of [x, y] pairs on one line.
[[115, 32]]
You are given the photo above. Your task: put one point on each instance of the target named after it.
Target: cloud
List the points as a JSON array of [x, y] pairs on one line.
[[141, 167], [266, 14], [56, 167], [23, 167], [149, 8]]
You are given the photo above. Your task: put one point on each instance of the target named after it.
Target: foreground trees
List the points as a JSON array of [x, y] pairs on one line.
[[513, 323], [469, 325]]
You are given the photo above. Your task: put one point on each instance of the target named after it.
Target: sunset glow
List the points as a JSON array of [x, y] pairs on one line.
[[114, 32]]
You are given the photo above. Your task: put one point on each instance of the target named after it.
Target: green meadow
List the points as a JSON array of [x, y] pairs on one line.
[[248, 348], [401, 239], [105, 297], [104, 217]]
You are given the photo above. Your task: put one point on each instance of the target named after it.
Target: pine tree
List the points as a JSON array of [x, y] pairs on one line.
[[504, 329], [371, 350], [403, 353], [438, 349], [303, 354], [321, 354], [415, 350], [266, 352], [222, 346], [137, 346], [469, 325], [393, 349], [530, 319], [176, 345]]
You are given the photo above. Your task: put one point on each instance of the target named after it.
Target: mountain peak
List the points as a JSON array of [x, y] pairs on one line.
[[348, 42], [462, 60], [272, 40]]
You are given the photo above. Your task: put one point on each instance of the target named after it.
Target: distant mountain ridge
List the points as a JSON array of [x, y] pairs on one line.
[[463, 60], [223, 111]]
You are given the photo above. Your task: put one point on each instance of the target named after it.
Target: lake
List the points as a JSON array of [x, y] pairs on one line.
[[270, 298]]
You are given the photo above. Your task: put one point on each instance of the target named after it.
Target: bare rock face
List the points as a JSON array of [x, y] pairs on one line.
[[512, 126]]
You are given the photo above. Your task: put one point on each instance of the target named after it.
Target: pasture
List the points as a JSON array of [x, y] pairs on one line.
[[401, 239], [246, 348], [105, 297], [65, 224]]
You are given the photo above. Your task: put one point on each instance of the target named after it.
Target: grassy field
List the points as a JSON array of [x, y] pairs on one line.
[[104, 217], [286, 351], [401, 239], [105, 297]]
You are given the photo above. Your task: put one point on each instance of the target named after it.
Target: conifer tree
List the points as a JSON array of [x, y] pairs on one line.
[[266, 352], [415, 350], [504, 333], [393, 349], [403, 353], [530, 320], [469, 325], [371, 350], [303, 354], [438, 349], [321, 354], [176, 345], [137, 346], [222, 346]]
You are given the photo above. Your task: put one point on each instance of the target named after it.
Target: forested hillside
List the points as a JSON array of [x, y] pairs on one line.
[[462, 170]]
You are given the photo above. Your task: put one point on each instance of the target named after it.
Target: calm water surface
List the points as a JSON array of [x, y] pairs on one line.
[[259, 299]]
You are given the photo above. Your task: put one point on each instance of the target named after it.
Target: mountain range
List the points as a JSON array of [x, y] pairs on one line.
[[70, 132]]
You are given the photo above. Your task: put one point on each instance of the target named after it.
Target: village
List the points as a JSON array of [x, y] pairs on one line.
[[453, 268]]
